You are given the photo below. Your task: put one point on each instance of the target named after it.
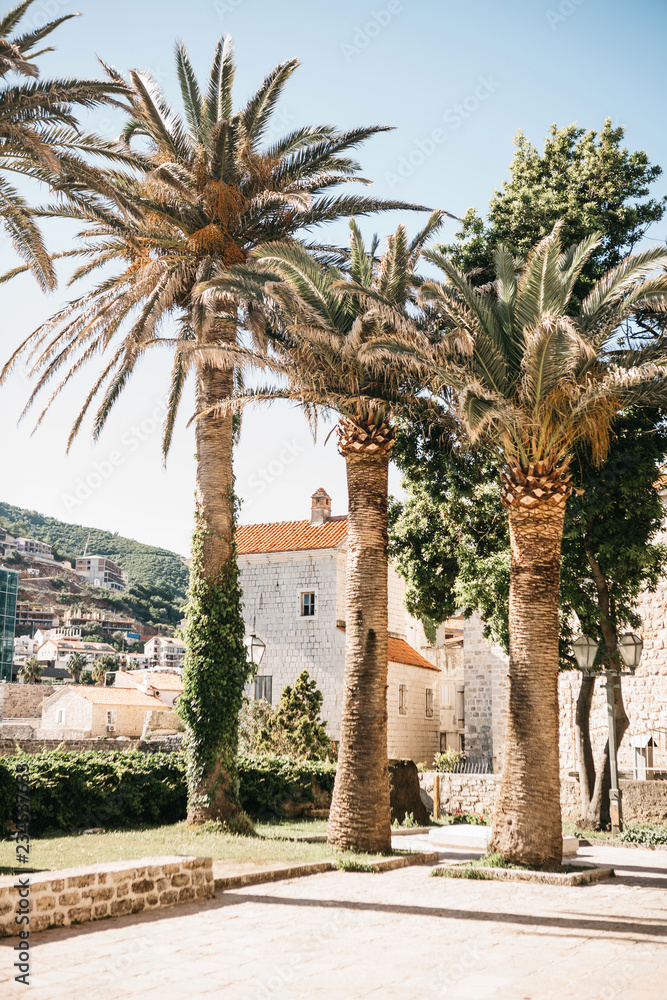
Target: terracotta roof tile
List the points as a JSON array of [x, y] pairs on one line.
[[115, 696], [163, 682], [290, 536], [399, 651]]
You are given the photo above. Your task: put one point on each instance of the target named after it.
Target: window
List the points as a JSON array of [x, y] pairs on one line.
[[402, 699], [264, 687], [60, 717], [460, 706], [429, 703], [445, 695], [111, 718], [451, 741], [307, 604]]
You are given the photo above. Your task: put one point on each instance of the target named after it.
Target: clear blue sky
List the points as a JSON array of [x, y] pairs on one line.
[[474, 71]]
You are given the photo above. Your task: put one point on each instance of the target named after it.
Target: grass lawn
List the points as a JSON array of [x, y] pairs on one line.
[[274, 842]]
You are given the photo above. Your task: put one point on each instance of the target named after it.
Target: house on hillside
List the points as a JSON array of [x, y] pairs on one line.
[[82, 712], [163, 651], [102, 572], [57, 651], [165, 686], [293, 583]]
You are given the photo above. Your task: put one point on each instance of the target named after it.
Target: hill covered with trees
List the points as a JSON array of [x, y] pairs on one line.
[[147, 567]]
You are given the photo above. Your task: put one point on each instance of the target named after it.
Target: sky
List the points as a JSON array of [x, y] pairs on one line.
[[456, 80]]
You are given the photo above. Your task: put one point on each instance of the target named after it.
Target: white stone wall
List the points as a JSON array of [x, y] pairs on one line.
[[413, 735], [485, 668], [271, 585]]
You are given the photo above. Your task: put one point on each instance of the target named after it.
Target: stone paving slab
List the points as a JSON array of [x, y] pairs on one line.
[[400, 935]]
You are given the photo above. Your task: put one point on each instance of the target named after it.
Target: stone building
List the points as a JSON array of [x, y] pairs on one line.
[[165, 686], [81, 711], [293, 582]]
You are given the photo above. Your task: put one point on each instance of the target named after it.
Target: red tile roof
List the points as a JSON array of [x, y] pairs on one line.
[[399, 651], [290, 536]]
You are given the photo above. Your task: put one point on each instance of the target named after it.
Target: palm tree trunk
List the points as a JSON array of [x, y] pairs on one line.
[[360, 813], [527, 825], [216, 667]]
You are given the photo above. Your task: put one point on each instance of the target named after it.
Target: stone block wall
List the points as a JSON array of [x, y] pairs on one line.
[[168, 744], [486, 693], [162, 719], [461, 792], [413, 736], [23, 701], [643, 801], [110, 889], [271, 585]]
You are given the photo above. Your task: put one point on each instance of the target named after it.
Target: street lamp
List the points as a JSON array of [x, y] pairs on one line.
[[255, 648], [630, 647], [585, 651]]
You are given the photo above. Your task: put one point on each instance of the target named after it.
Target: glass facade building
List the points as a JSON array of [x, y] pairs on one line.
[[9, 585]]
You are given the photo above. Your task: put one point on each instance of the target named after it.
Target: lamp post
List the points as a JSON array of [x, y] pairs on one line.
[[630, 648]]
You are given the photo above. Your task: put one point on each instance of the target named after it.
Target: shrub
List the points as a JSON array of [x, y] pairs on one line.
[[268, 782], [295, 728], [70, 791], [129, 788], [644, 833], [446, 760]]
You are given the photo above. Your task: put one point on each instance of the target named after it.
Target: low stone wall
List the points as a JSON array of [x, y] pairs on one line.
[[461, 792], [111, 889], [167, 744], [162, 718], [23, 701], [643, 801]]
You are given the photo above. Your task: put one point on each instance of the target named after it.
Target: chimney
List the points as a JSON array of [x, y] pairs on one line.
[[320, 509]]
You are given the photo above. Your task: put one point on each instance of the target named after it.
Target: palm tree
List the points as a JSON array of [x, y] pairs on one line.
[[30, 672], [530, 382], [210, 193], [76, 664], [326, 319], [39, 136]]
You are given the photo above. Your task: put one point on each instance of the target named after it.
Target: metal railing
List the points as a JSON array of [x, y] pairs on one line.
[[473, 765]]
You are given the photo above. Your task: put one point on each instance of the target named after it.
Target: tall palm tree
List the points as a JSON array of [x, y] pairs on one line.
[[39, 135], [326, 317], [530, 381], [212, 190], [76, 664], [30, 672]]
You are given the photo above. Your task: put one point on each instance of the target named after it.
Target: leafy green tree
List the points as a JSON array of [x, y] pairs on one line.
[[587, 180], [103, 664], [31, 671], [296, 727]]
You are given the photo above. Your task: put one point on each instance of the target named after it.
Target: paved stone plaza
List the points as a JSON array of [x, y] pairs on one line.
[[402, 934]]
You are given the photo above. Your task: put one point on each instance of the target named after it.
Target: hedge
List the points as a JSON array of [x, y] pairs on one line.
[[115, 789]]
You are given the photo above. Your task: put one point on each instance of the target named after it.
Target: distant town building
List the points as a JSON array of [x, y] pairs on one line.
[[30, 617], [9, 583], [163, 651], [31, 547], [7, 543], [99, 711], [58, 651], [101, 572], [165, 686], [24, 647], [105, 620]]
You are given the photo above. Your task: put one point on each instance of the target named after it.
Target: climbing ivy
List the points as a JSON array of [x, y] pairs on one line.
[[216, 669]]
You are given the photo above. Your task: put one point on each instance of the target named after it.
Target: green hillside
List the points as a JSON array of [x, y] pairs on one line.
[[145, 565]]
